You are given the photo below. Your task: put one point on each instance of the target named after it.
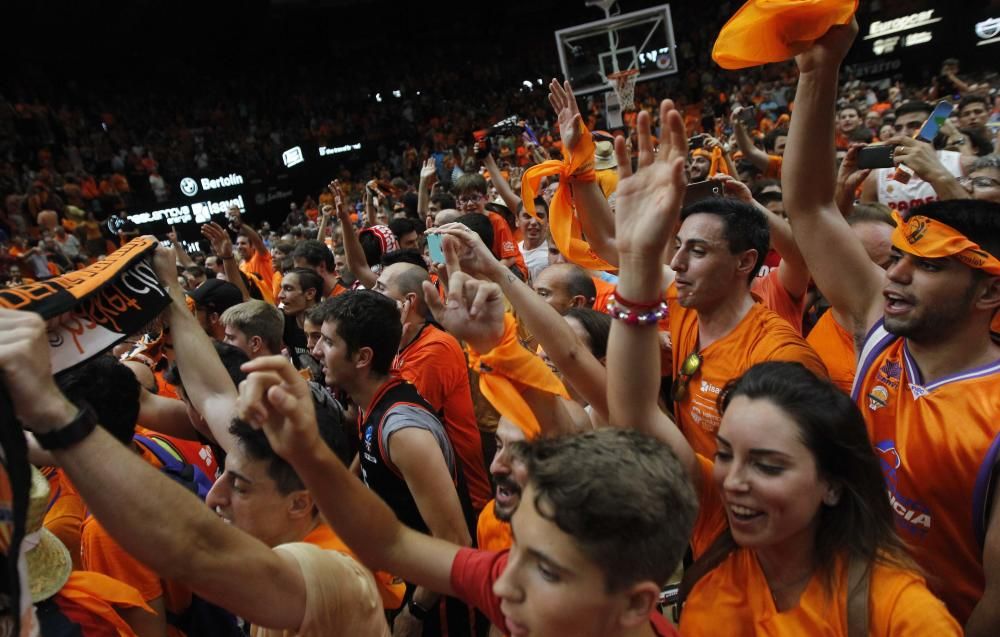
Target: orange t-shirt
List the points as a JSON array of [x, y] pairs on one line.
[[931, 439], [435, 364], [66, 510], [735, 594], [604, 292], [761, 336], [504, 245], [92, 600], [491, 533], [607, 179], [773, 295], [390, 588], [835, 346], [260, 267]]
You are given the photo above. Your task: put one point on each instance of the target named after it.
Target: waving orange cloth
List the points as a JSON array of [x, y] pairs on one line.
[[506, 371], [564, 226], [765, 31], [929, 238], [87, 596]]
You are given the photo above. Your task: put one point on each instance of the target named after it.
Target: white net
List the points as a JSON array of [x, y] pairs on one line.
[[623, 84]]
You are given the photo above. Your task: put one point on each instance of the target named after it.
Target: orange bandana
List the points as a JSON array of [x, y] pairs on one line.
[[506, 370], [564, 226], [718, 164], [764, 31], [926, 237]]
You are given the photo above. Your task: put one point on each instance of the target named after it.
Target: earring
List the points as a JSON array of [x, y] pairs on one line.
[[831, 498]]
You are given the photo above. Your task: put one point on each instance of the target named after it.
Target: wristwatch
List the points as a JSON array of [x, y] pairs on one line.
[[70, 434], [418, 611]]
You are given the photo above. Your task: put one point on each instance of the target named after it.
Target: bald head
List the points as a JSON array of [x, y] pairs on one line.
[[566, 285], [401, 279], [447, 215]]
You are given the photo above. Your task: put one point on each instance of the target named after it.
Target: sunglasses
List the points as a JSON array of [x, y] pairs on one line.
[[689, 368]]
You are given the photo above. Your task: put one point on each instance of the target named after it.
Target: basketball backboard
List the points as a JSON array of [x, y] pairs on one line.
[[640, 39]]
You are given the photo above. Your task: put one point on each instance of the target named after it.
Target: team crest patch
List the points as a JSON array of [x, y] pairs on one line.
[[878, 398], [889, 373]]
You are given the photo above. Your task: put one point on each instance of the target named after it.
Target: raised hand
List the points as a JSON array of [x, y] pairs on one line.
[[428, 172], [648, 203], [165, 266], [277, 400], [918, 156], [828, 51], [172, 235], [567, 112], [473, 310], [734, 188], [474, 258], [219, 238]]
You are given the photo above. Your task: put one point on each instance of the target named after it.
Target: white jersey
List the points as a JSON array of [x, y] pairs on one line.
[[904, 197]]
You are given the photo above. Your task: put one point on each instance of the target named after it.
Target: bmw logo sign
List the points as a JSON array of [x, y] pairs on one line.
[[189, 186]]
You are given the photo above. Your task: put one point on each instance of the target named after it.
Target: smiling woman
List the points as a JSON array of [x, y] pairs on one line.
[[795, 533]]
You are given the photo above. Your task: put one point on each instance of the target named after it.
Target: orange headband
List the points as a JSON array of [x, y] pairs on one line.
[[926, 237]]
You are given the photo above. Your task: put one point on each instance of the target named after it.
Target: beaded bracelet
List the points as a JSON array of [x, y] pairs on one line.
[[636, 316]]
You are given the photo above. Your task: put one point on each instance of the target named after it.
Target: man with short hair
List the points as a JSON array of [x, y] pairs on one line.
[[434, 362], [254, 256], [928, 382], [301, 290], [406, 233], [255, 327], [881, 185], [973, 111], [535, 230], [564, 286], [211, 299], [315, 255], [406, 457]]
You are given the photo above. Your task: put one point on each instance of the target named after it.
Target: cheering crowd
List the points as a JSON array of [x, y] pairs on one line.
[[707, 375]]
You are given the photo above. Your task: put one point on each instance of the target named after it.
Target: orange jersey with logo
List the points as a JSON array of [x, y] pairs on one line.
[[390, 588], [835, 346], [761, 336], [492, 534], [65, 513], [735, 594], [931, 439], [435, 364]]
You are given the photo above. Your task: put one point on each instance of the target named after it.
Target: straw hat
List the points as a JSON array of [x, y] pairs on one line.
[[49, 561], [604, 156]]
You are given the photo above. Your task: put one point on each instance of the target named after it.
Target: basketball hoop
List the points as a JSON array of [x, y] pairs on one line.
[[623, 83]]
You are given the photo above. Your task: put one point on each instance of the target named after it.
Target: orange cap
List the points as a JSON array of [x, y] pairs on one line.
[[765, 31]]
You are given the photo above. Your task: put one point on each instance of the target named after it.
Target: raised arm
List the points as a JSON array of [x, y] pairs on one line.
[[182, 256], [223, 249], [510, 198], [576, 363], [833, 253], [151, 516], [649, 205], [354, 254], [751, 153], [428, 177], [592, 208], [206, 382]]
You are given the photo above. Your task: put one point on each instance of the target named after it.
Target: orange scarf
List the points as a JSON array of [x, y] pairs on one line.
[[929, 238], [506, 371], [564, 226], [98, 594], [718, 164]]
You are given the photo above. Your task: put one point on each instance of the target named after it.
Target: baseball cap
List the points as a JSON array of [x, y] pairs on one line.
[[216, 295]]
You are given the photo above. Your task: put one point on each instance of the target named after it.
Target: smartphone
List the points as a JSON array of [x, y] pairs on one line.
[[701, 190], [748, 117], [876, 156], [434, 248], [933, 124]]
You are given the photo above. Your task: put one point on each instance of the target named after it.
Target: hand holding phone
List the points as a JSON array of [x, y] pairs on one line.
[[876, 156], [702, 190], [434, 248]]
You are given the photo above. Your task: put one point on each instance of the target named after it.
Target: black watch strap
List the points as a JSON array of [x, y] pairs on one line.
[[73, 432], [418, 611]]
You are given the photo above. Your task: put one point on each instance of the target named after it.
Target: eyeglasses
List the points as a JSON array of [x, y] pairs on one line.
[[910, 126], [472, 199], [689, 368], [979, 182]]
